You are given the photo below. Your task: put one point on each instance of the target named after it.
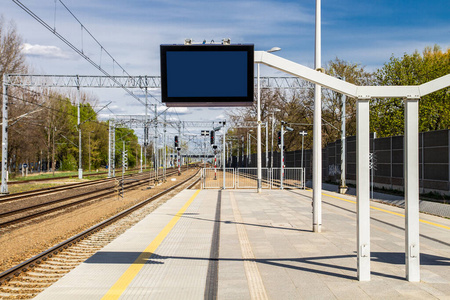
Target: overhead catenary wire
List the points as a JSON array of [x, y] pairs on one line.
[[81, 52]]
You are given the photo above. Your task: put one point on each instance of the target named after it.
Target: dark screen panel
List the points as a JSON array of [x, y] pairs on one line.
[[207, 75]]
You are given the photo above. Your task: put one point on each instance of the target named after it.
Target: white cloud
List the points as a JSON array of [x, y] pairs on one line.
[[46, 51]]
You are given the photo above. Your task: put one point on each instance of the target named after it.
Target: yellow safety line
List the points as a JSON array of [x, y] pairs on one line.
[[389, 212], [122, 283]]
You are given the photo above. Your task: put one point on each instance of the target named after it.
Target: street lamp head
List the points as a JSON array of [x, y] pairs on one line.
[[274, 49]]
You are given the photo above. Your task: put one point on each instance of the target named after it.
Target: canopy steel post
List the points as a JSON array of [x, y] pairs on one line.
[[4, 188], [258, 133], [317, 134], [411, 170], [363, 189]]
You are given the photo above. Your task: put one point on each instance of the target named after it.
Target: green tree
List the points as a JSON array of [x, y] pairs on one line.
[[332, 101], [387, 115]]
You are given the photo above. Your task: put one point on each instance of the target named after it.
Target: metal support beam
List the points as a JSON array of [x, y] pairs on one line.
[[140, 81], [411, 171], [363, 189], [4, 187]]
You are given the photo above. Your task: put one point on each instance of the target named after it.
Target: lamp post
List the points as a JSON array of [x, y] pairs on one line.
[[258, 144]]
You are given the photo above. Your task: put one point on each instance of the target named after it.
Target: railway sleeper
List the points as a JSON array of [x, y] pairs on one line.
[[53, 270], [71, 262], [41, 279], [30, 283], [19, 290], [45, 275]]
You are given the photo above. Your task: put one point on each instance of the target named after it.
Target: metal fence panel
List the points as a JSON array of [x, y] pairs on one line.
[[243, 178], [213, 178], [294, 178], [247, 178]]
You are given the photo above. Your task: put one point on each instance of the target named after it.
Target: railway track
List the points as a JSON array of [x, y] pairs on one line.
[[11, 215], [56, 178], [30, 277]]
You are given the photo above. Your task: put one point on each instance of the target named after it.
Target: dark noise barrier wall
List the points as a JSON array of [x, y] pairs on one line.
[[434, 158]]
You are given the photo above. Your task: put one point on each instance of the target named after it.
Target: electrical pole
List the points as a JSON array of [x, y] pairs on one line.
[[80, 165], [155, 166], [4, 187], [343, 186], [282, 156]]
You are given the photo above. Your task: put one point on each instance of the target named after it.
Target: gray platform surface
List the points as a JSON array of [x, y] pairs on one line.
[[266, 250]]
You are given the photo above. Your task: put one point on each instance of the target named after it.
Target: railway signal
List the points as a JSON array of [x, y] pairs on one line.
[[176, 141], [212, 137]]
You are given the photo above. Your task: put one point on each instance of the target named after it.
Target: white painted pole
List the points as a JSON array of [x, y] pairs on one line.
[[317, 134], [363, 189], [258, 144], [411, 171]]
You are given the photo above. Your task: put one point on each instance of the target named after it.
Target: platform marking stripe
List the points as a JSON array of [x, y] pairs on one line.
[[212, 277], [390, 212], [122, 283], [255, 283]]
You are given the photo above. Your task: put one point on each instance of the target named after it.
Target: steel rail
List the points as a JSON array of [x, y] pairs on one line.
[[43, 191], [37, 259], [96, 195]]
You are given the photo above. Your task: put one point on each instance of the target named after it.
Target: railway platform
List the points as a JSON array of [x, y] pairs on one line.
[[238, 244]]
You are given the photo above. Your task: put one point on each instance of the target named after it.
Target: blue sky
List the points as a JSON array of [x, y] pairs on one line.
[[364, 32]]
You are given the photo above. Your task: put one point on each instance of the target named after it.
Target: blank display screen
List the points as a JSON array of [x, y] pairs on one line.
[[207, 75]]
